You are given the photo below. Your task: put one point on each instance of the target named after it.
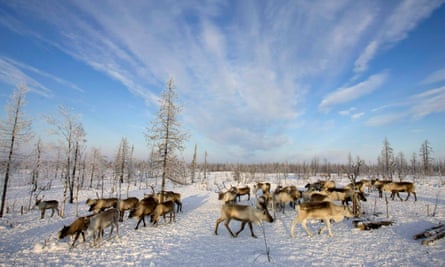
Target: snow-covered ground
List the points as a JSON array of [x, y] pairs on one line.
[[27, 240]]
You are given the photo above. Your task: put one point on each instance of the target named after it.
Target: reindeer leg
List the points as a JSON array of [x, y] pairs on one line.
[[217, 224], [226, 224], [52, 214], [75, 238], [406, 199], [42, 215], [328, 225], [83, 235], [137, 225], [251, 230], [292, 229], [303, 223], [323, 228], [117, 230], [241, 229]]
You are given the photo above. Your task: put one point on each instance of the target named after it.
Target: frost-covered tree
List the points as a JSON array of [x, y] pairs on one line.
[[387, 159], [14, 130], [426, 152], [166, 133], [401, 165], [71, 129]]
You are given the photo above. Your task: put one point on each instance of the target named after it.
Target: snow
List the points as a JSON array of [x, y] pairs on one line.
[[28, 240]]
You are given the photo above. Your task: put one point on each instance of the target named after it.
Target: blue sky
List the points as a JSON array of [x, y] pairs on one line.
[[260, 81]]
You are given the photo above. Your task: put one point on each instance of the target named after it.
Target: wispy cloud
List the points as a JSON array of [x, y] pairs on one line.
[[11, 74], [347, 94], [395, 27], [428, 102], [435, 77], [415, 107], [385, 119], [352, 113]]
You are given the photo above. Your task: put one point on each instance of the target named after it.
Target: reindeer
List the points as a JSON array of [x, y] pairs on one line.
[[265, 187], [344, 195], [325, 211], [241, 191], [101, 204], [145, 207], [47, 204], [229, 196], [360, 185], [100, 221], [162, 209], [127, 204], [171, 196], [283, 195], [244, 214], [79, 226], [396, 187]]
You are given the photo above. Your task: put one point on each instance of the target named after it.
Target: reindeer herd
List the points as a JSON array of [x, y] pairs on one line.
[[318, 201], [108, 212]]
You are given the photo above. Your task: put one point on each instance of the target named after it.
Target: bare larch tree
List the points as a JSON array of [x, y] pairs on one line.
[[14, 130], [387, 159], [71, 129], [166, 134], [426, 152]]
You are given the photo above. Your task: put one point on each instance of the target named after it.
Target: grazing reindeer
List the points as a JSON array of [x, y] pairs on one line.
[[243, 213], [79, 226], [127, 204], [101, 204], [47, 204], [145, 207], [162, 209], [100, 221]]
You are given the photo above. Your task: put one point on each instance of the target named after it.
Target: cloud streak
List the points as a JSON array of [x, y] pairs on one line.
[[405, 16], [348, 94]]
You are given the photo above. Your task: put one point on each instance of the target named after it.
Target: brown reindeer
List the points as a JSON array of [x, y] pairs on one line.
[[244, 214], [127, 204], [145, 207], [344, 195], [79, 226], [162, 209], [101, 204], [396, 187], [171, 196], [241, 191], [47, 204]]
